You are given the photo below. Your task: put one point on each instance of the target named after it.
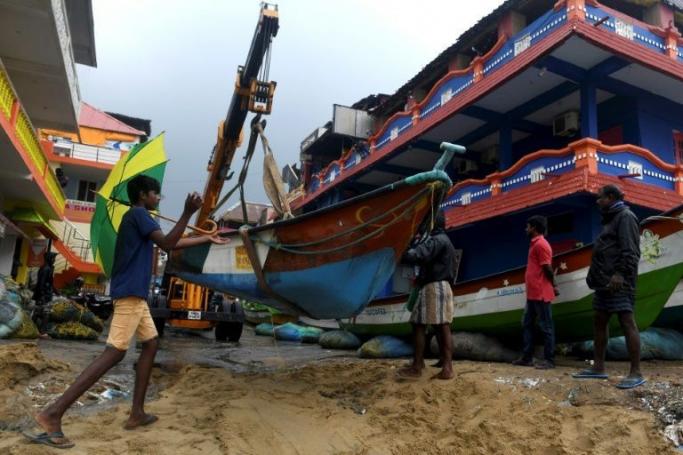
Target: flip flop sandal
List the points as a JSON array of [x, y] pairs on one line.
[[49, 439], [589, 374], [630, 383]]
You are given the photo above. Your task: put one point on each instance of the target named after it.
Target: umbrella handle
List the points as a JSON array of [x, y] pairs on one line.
[[213, 227]]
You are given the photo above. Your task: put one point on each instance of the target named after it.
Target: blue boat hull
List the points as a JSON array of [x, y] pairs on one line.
[[329, 291]]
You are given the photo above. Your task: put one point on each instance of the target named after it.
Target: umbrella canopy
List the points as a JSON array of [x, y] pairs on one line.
[[147, 159]]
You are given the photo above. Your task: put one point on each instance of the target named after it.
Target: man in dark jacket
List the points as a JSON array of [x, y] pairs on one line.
[[43, 292], [612, 275], [436, 258]]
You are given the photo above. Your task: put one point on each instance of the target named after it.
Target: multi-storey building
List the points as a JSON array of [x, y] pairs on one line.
[[40, 43], [552, 100]]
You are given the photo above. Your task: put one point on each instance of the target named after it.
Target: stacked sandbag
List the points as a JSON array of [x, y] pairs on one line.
[[477, 346], [264, 329], [339, 339], [12, 295], [25, 295], [72, 331], [27, 328], [310, 334], [73, 321], [10, 290], [385, 347], [15, 322], [11, 318], [288, 332], [655, 343]]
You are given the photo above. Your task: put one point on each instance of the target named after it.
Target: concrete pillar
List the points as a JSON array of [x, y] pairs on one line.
[[22, 273], [678, 175], [589, 110], [496, 185], [576, 9], [478, 68], [505, 147], [586, 153]]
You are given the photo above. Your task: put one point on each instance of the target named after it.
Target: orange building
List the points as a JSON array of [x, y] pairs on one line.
[[40, 44], [82, 161]]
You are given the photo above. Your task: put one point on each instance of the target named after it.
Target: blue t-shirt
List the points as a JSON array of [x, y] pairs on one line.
[[132, 270]]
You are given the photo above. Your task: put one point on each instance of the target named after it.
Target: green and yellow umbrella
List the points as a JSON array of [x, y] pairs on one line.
[[148, 159]]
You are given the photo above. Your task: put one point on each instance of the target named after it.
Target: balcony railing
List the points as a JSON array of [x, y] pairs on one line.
[[86, 152], [622, 161], [13, 113]]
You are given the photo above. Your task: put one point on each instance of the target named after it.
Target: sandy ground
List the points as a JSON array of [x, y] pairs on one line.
[[261, 397]]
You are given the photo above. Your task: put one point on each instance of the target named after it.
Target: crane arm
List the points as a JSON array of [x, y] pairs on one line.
[[253, 93]]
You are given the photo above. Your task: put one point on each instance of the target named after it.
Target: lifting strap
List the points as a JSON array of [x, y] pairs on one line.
[[260, 277]]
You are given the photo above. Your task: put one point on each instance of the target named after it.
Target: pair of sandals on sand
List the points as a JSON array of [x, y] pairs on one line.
[[57, 440], [629, 382]]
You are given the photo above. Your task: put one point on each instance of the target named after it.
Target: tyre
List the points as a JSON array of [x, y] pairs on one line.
[[158, 301], [221, 332], [230, 330], [160, 324]]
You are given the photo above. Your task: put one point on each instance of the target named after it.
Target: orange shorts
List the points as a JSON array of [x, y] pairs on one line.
[[131, 317]]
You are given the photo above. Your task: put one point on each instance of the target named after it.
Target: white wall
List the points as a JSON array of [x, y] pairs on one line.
[[7, 253]]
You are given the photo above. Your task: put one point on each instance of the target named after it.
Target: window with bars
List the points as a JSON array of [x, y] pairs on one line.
[[86, 191]]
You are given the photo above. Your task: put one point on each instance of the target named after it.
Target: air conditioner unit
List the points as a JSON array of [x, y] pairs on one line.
[[566, 124]]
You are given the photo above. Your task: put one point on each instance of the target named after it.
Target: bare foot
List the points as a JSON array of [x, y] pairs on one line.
[[444, 375], [47, 423], [410, 372], [140, 421]]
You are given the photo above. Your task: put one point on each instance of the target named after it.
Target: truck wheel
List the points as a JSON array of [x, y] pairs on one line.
[[221, 331], [158, 301], [160, 324], [230, 330]]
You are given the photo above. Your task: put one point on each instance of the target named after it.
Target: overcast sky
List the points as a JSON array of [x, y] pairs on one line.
[[174, 62]]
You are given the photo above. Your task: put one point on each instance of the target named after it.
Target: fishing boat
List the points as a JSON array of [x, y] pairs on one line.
[[552, 101], [494, 305], [325, 264], [672, 315]]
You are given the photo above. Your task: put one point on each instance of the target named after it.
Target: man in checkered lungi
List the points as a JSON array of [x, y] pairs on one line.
[[434, 306]]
